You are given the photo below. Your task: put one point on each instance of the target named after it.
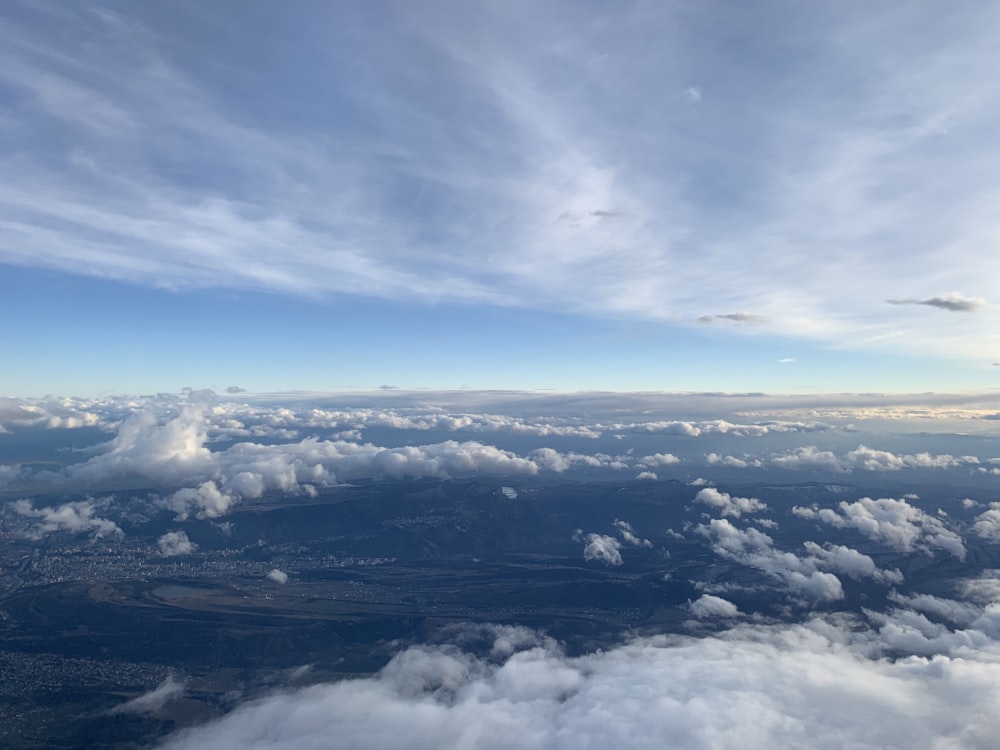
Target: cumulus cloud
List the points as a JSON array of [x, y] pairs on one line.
[[553, 460], [175, 543], [708, 605], [894, 522], [659, 459], [778, 687], [809, 457], [727, 504], [953, 302], [154, 700], [205, 501], [647, 475], [75, 518], [801, 576], [734, 461], [850, 562], [987, 524], [867, 459], [278, 576], [697, 428], [170, 452], [175, 452], [952, 610], [629, 536], [606, 549]]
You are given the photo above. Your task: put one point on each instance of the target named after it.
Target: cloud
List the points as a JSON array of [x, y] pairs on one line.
[[734, 461], [850, 562], [600, 547], [778, 687], [809, 457], [727, 504], [175, 543], [175, 452], [713, 606], [859, 197], [235, 389], [866, 459], [278, 576], [953, 302], [898, 524], [170, 452], [692, 94], [151, 702], [629, 536], [960, 613], [987, 523], [659, 459], [74, 517], [739, 317], [801, 576]]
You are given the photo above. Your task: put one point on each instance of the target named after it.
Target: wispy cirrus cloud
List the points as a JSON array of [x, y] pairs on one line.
[[515, 169]]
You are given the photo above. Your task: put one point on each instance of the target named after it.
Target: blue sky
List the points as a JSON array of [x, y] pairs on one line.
[[774, 196]]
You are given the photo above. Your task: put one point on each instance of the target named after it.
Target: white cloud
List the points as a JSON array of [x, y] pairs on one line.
[[960, 613], [174, 451], [708, 605], [278, 576], [659, 459], [74, 517], [629, 536], [151, 702], [867, 459], [175, 543], [894, 522], [734, 461], [727, 504], [801, 576], [755, 687], [987, 523], [646, 475], [600, 547], [850, 562]]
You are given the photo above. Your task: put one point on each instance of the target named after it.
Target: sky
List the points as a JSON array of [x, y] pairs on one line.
[[669, 196]]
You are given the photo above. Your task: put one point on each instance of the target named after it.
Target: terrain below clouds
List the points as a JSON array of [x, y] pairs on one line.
[[233, 573]]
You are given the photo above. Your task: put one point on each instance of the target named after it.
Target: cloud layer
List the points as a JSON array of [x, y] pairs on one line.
[[753, 687]]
